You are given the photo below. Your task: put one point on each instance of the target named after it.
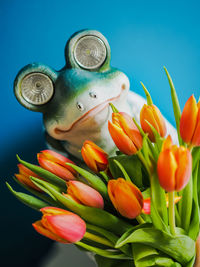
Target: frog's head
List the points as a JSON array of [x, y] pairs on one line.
[[75, 100]]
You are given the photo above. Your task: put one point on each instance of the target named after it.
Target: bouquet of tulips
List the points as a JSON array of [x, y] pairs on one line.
[[137, 208]]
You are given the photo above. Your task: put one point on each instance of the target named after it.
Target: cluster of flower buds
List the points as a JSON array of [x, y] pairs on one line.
[[174, 167]]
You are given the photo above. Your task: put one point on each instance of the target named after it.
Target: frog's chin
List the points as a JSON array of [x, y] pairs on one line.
[[99, 114]]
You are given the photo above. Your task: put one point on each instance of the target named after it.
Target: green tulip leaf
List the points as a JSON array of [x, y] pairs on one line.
[[113, 254], [41, 195], [125, 174], [176, 106], [48, 176], [114, 109], [148, 96], [93, 180], [106, 262], [28, 200], [122, 240], [133, 168], [110, 236], [180, 247], [194, 224]]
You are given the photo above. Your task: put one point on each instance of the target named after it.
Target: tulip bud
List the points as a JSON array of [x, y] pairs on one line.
[[94, 156], [24, 177], [147, 203], [174, 166], [60, 225], [126, 197], [84, 194], [56, 163], [125, 133], [190, 122], [152, 115]]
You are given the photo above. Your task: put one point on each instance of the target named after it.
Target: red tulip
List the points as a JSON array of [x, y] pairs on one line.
[[84, 194], [60, 225], [56, 163], [95, 157], [190, 122], [24, 177], [174, 166], [126, 197], [125, 133], [152, 115]]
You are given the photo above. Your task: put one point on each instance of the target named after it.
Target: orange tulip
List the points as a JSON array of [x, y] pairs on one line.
[[147, 203], [190, 122], [125, 133], [24, 177], [126, 197], [84, 194], [95, 157], [56, 163], [152, 115], [174, 166], [60, 225]]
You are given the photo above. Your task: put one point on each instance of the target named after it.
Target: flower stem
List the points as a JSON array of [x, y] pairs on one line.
[[171, 213], [98, 239], [139, 219], [144, 162]]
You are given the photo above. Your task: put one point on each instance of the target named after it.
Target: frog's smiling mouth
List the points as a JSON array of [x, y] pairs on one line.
[[89, 114]]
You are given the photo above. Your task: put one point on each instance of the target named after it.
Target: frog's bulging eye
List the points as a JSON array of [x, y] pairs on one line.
[[37, 88], [80, 106], [93, 94], [90, 52]]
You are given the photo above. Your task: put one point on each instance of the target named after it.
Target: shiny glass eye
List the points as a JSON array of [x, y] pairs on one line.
[[80, 106], [93, 94], [37, 88], [90, 52]]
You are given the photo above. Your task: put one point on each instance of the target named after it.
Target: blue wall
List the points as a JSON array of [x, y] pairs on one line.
[[143, 37]]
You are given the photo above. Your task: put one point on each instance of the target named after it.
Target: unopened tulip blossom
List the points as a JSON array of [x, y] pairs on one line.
[[125, 133], [95, 157], [84, 194], [152, 115], [56, 163], [190, 122], [60, 225], [174, 166], [126, 197], [24, 177]]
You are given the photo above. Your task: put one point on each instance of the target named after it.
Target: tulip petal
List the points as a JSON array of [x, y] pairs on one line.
[[26, 181], [25, 171], [58, 170], [196, 136], [121, 140], [188, 119], [124, 199], [130, 129], [88, 159], [166, 168], [69, 227], [54, 211], [85, 194], [57, 158], [160, 120], [167, 144], [126, 202], [43, 231], [184, 170]]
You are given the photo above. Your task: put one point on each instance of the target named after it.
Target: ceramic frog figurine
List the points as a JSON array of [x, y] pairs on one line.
[[75, 100]]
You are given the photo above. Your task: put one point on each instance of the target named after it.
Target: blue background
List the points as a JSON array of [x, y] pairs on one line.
[[143, 37]]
